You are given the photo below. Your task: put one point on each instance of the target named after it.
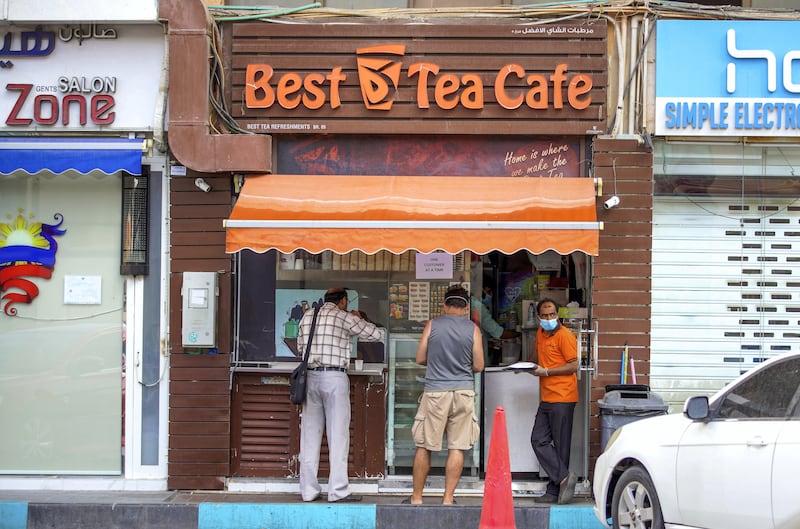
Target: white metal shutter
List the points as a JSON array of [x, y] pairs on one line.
[[726, 289]]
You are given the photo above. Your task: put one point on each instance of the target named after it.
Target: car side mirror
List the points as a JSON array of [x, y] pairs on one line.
[[696, 408]]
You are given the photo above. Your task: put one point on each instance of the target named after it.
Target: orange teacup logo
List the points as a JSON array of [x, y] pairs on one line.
[[379, 76]]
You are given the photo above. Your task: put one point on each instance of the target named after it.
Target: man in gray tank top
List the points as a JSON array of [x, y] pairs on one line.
[[451, 347]]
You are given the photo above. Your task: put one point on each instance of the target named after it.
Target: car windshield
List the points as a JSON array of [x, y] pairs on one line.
[[772, 393]]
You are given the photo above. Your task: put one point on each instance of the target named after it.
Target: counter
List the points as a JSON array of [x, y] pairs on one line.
[[288, 367], [265, 426], [518, 393]]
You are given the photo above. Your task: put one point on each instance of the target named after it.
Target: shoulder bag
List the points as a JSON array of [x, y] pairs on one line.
[[297, 380]]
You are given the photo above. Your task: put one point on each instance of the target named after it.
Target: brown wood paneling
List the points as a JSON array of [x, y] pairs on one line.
[[457, 46], [196, 482], [199, 415], [200, 456], [204, 428], [266, 428], [205, 238], [199, 441], [198, 387], [621, 273], [632, 284]]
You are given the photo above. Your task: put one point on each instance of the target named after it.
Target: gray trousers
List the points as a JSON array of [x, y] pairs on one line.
[[551, 439], [327, 407]]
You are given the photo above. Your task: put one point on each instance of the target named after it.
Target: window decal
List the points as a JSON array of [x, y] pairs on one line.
[[27, 250]]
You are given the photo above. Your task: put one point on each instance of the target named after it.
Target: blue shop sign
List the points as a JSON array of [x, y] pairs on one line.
[[727, 78]]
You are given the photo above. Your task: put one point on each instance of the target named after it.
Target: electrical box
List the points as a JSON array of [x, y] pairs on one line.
[[199, 295]]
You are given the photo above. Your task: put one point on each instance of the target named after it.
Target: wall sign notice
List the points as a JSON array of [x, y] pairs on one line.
[[727, 78], [436, 265], [82, 290]]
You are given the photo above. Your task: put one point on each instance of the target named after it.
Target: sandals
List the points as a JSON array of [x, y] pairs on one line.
[[407, 501]]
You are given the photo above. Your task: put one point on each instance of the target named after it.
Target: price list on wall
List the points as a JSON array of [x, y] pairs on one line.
[[413, 303]]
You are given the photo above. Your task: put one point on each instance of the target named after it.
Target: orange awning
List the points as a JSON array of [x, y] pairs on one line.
[[425, 213]]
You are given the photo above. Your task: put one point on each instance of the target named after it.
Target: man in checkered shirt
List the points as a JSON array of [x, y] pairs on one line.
[[327, 402]]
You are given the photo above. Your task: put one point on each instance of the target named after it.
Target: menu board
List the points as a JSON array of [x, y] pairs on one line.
[[413, 303]]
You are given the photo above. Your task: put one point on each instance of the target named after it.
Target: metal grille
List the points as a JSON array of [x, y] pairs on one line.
[[726, 289], [135, 223]]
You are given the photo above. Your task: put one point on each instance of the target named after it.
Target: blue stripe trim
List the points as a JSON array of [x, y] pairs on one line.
[[13, 515], [285, 516], [58, 155], [577, 517]]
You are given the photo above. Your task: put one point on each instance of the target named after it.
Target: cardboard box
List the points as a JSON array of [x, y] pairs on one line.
[[558, 295], [569, 313]]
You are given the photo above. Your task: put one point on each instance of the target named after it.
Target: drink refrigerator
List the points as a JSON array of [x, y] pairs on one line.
[[406, 382]]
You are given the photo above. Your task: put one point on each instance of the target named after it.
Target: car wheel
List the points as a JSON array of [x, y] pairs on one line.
[[635, 502]]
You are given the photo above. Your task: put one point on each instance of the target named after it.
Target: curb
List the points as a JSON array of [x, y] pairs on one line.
[[27, 515]]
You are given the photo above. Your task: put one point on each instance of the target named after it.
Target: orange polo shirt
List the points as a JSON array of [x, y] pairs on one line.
[[554, 351]]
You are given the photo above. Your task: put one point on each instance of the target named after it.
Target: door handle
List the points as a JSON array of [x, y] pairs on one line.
[[757, 442]]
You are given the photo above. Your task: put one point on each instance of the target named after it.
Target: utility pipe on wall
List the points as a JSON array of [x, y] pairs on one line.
[[189, 136]]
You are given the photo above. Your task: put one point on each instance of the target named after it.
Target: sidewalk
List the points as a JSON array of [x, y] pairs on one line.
[[43, 509]]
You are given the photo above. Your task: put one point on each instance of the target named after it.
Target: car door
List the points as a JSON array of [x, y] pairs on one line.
[[724, 467], [785, 507]]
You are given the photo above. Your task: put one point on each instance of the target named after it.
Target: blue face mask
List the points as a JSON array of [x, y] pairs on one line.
[[549, 325]]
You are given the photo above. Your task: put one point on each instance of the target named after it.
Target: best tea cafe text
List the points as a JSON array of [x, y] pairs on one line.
[[314, 90]]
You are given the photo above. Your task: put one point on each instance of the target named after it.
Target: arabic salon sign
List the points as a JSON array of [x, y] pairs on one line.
[[27, 250], [728, 78], [80, 77]]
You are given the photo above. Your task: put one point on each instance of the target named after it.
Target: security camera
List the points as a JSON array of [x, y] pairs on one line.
[[611, 202], [202, 185]]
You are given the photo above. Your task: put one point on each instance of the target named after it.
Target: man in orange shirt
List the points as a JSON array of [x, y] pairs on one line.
[[556, 356]]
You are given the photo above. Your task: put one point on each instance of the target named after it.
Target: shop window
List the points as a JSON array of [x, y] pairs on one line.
[[62, 347], [276, 289]]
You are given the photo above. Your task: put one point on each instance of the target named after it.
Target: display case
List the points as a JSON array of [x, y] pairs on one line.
[[406, 383]]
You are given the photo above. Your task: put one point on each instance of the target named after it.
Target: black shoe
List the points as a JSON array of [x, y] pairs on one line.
[[567, 489], [349, 499], [545, 498]]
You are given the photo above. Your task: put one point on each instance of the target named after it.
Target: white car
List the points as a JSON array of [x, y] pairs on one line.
[[731, 462]]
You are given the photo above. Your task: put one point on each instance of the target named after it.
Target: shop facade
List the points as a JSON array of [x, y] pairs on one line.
[[82, 265], [406, 157], [725, 289]]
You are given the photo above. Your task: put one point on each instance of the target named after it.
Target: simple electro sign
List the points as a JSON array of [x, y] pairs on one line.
[[727, 78]]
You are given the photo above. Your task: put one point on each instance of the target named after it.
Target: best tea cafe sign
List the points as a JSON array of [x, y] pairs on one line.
[[381, 70], [727, 78]]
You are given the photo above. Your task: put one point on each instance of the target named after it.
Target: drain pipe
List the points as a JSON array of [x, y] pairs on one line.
[[189, 136]]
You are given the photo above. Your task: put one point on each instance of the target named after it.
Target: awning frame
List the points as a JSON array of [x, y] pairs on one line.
[[419, 225], [369, 213], [83, 155]]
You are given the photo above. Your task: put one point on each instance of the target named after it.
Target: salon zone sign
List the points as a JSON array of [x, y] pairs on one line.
[[727, 78], [80, 77]]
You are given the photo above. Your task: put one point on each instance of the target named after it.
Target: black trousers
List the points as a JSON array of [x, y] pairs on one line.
[[551, 439]]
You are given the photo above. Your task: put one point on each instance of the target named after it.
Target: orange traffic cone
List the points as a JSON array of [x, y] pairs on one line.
[[497, 511]]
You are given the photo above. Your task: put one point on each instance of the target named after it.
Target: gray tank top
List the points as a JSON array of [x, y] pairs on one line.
[[450, 354]]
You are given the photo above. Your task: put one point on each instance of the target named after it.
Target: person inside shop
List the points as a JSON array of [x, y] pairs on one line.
[[555, 354], [517, 282], [481, 314], [327, 404], [451, 349]]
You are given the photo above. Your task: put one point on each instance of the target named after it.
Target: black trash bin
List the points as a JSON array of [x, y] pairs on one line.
[[626, 403]]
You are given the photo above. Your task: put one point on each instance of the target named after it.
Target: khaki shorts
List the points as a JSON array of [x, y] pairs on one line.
[[451, 412]]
